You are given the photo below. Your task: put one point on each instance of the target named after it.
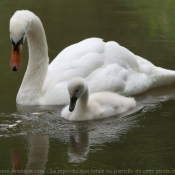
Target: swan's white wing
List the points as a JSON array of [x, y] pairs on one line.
[[106, 67], [77, 60], [127, 73]]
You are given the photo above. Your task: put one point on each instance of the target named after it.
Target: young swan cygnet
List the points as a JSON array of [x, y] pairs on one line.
[[97, 106]]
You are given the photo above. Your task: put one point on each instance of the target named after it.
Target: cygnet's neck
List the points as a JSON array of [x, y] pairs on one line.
[[31, 87], [81, 105]]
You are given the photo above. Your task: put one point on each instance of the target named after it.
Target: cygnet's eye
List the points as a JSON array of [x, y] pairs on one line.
[[76, 90]]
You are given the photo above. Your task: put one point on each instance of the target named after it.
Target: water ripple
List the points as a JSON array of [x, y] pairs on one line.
[[41, 121]]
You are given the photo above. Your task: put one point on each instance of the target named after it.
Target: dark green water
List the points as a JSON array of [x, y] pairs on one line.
[[139, 142]]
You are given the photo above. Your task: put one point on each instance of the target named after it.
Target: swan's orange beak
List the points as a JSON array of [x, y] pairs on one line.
[[16, 55]]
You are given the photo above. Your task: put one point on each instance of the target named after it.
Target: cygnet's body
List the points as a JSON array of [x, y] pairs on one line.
[[97, 106]]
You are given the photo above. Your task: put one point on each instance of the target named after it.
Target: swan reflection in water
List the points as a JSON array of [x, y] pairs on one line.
[[78, 148], [79, 144], [16, 160], [79, 135], [37, 156], [38, 153]]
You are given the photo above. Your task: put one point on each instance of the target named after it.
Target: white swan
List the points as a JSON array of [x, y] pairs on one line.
[[97, 106], [105, 66]]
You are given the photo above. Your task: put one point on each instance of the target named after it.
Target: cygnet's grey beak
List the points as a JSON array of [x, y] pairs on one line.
[[73, 101]]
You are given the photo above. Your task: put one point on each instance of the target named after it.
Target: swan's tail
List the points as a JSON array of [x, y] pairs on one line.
[[164, 77], [158, 76], [150, 77], [128, 102]]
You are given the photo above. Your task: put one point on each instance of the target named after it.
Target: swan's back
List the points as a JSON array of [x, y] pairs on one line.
[[106, 104], [96, 61], [112, 99], [106, 67], [79, 59]]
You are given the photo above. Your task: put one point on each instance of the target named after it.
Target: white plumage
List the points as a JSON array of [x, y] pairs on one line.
[[105, 66], [97, 106]]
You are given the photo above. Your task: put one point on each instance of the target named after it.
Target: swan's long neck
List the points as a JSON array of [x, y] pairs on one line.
[[31, 87], [81, 105]]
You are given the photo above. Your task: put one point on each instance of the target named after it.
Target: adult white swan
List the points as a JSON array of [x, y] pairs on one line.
[[105, 66], [96, 106]]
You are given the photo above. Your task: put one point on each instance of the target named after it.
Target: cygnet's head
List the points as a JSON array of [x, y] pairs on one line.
[[19, 25], [76, 88]]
